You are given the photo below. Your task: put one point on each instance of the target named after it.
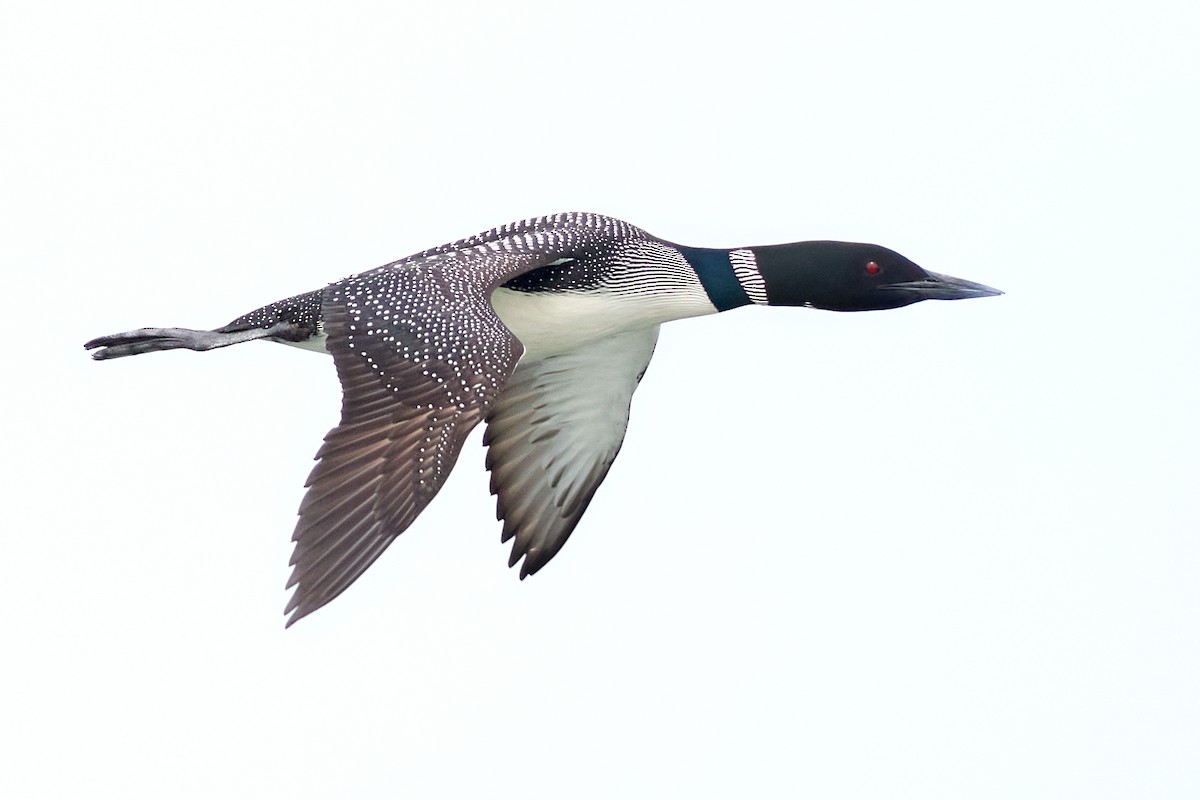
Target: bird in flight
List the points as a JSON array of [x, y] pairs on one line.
[[540, 329]]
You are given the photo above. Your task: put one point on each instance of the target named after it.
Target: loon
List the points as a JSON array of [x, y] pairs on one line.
[[540, 329]]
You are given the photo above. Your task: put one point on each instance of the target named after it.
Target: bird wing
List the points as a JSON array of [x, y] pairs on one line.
[[554, 433], [422, 356]]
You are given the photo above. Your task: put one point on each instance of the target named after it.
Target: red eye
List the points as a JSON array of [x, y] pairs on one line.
[[872, 268]]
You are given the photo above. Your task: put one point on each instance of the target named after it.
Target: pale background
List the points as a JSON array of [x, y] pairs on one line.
[[948, 551]]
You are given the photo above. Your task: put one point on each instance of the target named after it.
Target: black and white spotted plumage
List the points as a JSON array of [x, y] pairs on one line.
[[422, 357], [541, 328]]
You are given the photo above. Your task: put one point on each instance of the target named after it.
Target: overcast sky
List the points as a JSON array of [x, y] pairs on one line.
[[945, 551]]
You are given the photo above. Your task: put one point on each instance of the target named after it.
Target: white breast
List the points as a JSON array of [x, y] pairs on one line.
[[548, 323]]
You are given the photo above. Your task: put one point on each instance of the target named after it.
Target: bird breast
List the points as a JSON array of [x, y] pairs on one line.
[[549, 323]]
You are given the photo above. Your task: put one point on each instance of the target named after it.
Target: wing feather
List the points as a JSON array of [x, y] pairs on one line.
[[411, 394], [553, 435]]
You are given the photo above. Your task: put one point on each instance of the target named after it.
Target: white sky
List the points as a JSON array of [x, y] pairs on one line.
[[946, 551]]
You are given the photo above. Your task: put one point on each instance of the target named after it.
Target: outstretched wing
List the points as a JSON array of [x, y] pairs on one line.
[[421, 356], [554, 433]]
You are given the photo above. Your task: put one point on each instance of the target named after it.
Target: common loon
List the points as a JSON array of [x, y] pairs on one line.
[[542, 329]]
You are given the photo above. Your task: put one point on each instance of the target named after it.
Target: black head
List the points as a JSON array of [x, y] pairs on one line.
[[845, 276]]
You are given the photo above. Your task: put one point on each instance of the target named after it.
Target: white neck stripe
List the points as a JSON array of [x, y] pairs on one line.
[[745, 267]]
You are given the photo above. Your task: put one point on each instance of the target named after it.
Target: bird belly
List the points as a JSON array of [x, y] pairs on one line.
[[549, 323], [313, 343]]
